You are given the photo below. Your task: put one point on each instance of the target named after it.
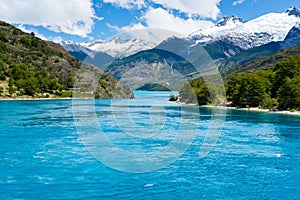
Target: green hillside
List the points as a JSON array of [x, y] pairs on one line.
[[265, 63], [121, 66], [34, 68], [272, 82]]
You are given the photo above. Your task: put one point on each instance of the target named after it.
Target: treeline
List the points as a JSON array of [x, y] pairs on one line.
[[273, 89], [278, 88]]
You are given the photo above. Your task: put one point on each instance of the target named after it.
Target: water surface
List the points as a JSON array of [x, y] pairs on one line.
[[43, 157]]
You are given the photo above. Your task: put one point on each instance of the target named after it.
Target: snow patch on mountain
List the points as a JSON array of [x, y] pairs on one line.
[[119, 48], [72, 46], [262, 30], [226, 24], [293, 11], [116, 47], [230, 21], [245, 35]]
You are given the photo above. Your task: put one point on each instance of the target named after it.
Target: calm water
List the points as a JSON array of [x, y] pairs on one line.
[[42, 155]]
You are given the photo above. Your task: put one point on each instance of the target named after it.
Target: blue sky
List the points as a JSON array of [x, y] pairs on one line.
[[89, 20]]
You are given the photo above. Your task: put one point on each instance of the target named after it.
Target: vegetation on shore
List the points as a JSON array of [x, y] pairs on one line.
[[274, 87], [34, 68]]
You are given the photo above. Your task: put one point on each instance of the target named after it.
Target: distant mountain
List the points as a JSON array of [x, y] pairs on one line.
[[291, 40], [101, 53], [115, 48], [118, 48], [34, 68], [233, 38], [226, 24], [268, 28], [230, 21], [293, 11], [230, 43]]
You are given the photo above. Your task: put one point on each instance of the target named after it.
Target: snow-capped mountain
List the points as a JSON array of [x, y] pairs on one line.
[[226, 24], [120, 48], [293, 11], [230, 22], [246, 35], [72, 46], [116, 47], [229, 37]]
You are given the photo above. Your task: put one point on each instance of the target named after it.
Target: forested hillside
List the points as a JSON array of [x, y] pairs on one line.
[[271, 83], [34, 68]]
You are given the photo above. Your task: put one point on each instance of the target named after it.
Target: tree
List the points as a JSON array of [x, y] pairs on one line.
[[195, 91], [247, 90], [186, 94], [288, 68], [289, 94]]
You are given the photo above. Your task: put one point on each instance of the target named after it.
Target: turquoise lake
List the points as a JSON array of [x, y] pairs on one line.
[[43, 155]]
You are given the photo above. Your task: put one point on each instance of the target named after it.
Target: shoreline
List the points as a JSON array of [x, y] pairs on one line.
[[284, 112], [32, 99]]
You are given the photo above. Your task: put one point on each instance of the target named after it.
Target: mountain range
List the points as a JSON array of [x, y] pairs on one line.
[[245, 34], [230, 43]]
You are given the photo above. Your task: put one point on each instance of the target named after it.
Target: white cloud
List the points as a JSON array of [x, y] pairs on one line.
[[203, 8], [57, 39], [127, 4], [128, 28], [75, 17], [29, 30], [168, 24], [160, 18], [238, 2]]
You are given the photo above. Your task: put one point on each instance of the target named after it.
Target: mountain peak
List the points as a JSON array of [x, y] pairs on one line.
[[293, 11], [230, 20]]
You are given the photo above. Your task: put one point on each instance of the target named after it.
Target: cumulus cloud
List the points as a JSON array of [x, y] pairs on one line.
[[57, 39], [75, 17], [238, 2], [127, 4], [203, 8], [128, 28], [29, 30], [139, 31], [162, 19]]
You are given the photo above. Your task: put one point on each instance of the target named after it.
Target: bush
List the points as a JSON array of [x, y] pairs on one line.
[[269, 103], [3, 37], [65, 94], [2, 77]]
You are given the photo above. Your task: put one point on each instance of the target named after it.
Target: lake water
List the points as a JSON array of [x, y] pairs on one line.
[[45, 152]]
